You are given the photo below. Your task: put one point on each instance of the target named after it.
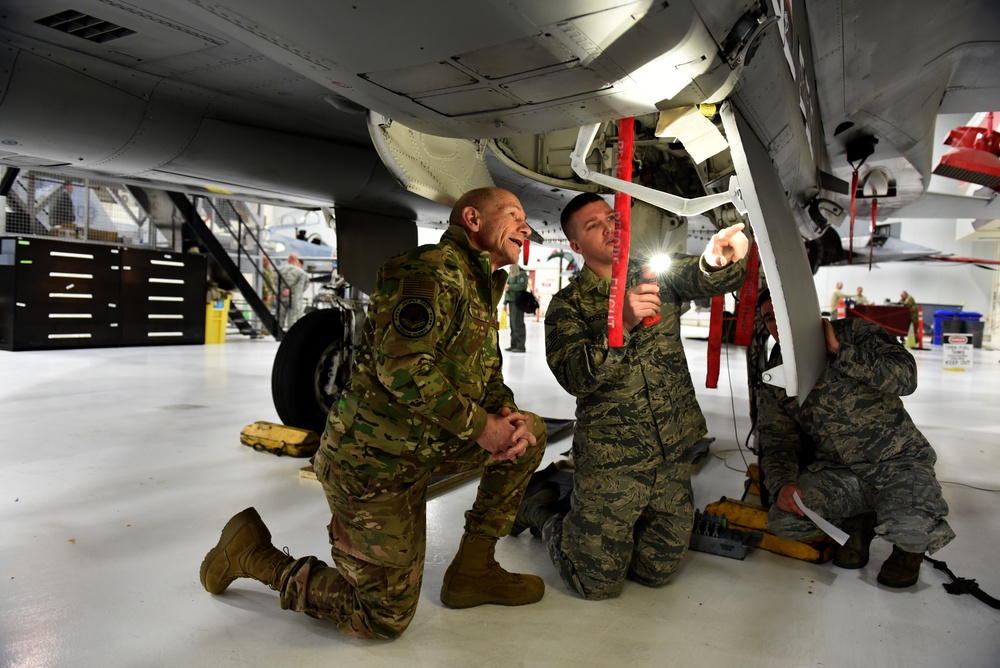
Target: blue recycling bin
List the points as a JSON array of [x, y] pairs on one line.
[[945, 322]]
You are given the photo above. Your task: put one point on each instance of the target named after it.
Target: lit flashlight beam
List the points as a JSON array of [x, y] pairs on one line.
[[659, 263], [681, 206]]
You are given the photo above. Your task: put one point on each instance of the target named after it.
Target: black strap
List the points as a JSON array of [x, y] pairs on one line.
[[963, 585]]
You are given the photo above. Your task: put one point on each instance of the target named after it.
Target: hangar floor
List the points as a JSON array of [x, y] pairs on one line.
[[120, 467]]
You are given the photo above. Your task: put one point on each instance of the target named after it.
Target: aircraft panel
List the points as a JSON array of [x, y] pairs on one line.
[[373, 239], [783, 256], [943, 205]]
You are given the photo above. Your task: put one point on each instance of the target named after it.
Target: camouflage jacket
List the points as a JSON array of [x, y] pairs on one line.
[[835, 300], [428, 369], [854, 414], [268, 282], [635, 405], [293, 278], [516, 283]]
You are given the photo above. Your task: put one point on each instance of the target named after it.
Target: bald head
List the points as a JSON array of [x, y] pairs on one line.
[[478, 199], [494, 220]]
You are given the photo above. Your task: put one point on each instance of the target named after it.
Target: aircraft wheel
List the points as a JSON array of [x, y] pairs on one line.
[[311, 367]]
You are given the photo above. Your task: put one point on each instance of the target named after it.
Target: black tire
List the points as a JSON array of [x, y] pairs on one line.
[[311, 368]]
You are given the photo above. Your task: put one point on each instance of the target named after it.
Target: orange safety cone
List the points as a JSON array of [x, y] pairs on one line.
[[841, 309], [920, 327]]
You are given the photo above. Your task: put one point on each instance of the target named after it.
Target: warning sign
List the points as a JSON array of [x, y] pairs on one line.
[[957, 352]]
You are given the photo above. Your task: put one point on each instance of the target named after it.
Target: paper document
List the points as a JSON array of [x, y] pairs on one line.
[[830, 530]]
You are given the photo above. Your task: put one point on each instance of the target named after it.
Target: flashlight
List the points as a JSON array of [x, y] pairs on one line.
[[656, 265]]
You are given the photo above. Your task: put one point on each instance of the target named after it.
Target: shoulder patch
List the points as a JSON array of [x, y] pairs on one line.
[[413, 317]]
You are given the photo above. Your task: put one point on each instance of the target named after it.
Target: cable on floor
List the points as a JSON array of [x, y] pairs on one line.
[[963, 585], [962, 484]]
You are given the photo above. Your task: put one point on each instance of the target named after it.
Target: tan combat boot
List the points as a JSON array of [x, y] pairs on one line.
[[901, 569], [475, 578], [243, 551]]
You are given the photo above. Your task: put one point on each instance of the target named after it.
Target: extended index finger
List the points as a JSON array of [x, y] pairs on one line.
[[728, 232]]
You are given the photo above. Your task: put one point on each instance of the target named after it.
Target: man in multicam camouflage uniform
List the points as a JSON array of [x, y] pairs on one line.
[[838, 294], [517, 284], [426, 398], [268, 281], [871, 469], [637, 417], [907, 300]]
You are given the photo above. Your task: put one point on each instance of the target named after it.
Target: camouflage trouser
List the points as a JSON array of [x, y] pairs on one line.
[[291, 310], [517, 333], [903, 492], [634, 525], [377, 535]]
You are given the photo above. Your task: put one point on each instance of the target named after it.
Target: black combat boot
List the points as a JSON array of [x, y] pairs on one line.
[[243, 551], [535, 509], [475, 578], [854, 553], [901, 569]]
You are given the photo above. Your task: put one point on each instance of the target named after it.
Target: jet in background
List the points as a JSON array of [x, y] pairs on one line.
[[316, 254], [387, 111]]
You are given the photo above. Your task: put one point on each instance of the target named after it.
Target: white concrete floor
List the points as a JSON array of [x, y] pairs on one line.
[[119, 468]]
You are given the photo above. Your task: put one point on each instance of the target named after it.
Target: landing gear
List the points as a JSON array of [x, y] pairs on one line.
[[312, 366]]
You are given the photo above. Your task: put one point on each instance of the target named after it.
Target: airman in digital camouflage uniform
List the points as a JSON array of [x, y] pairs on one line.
[[426, 398], [637, 417], [294, 281], [873, 470]]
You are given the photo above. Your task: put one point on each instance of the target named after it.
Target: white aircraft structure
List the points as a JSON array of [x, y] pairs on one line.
[[387, 111], [316, 254]]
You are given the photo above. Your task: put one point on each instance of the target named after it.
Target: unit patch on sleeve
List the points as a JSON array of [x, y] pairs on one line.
[[413, 317]]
